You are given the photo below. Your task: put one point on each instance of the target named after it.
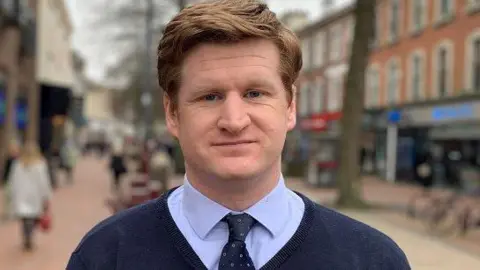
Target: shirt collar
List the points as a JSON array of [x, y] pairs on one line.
[[203, 213]]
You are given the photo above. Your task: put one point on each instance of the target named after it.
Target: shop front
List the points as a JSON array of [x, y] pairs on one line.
[[447, 135], [323, 132]]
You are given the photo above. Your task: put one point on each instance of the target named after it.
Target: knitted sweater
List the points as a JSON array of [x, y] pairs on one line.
[[146, 237]]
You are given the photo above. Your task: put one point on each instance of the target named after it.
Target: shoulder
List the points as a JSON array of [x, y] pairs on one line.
[[133, 226], [355, 242]]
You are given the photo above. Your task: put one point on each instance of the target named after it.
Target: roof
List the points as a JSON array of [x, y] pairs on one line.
[[327, 18]]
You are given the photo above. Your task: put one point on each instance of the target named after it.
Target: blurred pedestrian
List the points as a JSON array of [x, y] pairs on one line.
[[68, 157], [30, 189], [11, 156], [117, 166], [161, 170]]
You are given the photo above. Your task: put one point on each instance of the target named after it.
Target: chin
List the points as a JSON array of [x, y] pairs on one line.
[[237, 170]]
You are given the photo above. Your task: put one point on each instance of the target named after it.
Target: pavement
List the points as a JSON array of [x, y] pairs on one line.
[[78, 207]]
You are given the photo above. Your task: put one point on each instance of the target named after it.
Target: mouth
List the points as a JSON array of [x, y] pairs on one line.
[[233, 143]]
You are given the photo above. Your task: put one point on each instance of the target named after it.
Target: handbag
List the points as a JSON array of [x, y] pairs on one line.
[[45, 220]]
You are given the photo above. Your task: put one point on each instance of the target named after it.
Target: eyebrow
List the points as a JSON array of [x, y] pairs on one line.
[[210, 84]]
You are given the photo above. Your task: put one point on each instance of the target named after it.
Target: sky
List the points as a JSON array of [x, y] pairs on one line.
[[313, 7], [96, 50]]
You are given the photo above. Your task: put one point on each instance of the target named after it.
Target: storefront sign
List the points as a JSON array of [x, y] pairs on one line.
[[319, 122], [457, 112], [439, 115], [314, 123]]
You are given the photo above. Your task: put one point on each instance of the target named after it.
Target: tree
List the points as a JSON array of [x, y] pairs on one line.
[[349, 183]]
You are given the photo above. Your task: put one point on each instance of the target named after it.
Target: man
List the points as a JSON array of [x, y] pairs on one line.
[[228, 69]]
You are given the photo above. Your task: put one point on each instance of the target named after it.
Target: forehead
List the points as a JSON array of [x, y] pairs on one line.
[[255, 58]]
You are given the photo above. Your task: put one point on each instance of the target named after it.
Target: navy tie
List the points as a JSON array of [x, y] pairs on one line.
[[234, 254]]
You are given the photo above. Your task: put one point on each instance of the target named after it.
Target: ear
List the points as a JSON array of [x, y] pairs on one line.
[[292, 110], [171, 115]]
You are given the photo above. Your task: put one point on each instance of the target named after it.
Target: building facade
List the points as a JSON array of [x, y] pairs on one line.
[[325, 51], [54, 72], [422, 84], [35, 63], [424, 74], [17, 28]]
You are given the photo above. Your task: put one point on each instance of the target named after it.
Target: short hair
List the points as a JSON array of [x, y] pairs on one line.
[[224, 22]]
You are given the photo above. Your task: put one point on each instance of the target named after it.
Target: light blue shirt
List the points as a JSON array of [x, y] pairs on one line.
[[199, 219]]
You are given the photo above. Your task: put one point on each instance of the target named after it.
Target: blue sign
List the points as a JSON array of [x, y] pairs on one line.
[[21, 112], [458, 112], [394, 116]]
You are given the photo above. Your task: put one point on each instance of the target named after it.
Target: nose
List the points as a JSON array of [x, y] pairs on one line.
[[234, 115]]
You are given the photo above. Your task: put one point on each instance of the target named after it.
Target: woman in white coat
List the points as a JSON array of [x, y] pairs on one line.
[[30, 190]]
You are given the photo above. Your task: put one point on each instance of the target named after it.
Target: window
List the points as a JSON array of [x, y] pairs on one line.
[[416, 76], [376, 29], [317, 97], [335, 90], [473, 6], [393, 81], [444, 10], [319, 55], [372, 87], [442, 72], [418, 14], [444, 7], [443, 67], [304, 105], [472, 62], [349, 35], [335, 42], [394, 19], [476, 66], [306, 53]]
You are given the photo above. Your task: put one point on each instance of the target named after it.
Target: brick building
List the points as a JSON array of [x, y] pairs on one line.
[[326, 49], [422, 84]]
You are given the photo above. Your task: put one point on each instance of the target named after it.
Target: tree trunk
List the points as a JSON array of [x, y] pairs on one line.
[[33, 96], [349, 185]]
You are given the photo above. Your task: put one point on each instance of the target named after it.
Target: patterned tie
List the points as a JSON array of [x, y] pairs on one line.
[[234, 254]]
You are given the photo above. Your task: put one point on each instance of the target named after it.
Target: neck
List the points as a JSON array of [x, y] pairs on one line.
[[235, 194]]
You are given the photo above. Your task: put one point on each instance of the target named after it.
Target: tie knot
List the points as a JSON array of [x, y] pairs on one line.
[[239, 225]]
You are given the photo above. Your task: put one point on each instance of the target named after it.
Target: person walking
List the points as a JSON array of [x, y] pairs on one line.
[[68, 158], [117, 166], [31, 190], [161, 170]]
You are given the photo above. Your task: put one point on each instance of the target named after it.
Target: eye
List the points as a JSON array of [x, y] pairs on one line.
[[211, 97], [253, 94]]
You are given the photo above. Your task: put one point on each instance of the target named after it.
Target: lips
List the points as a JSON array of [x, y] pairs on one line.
[[233, 143]]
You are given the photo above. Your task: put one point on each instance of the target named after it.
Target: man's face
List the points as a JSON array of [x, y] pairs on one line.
[[232, 113]]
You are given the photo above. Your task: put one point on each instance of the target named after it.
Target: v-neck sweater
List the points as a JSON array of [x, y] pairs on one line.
[[146, 237]]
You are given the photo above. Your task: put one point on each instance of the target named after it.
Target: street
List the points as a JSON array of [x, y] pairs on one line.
[[77, 208]]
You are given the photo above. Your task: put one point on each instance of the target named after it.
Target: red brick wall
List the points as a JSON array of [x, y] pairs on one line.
[[457, 31]]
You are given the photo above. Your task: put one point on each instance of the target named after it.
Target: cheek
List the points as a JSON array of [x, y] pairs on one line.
[[195, 126], [273, 124]]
